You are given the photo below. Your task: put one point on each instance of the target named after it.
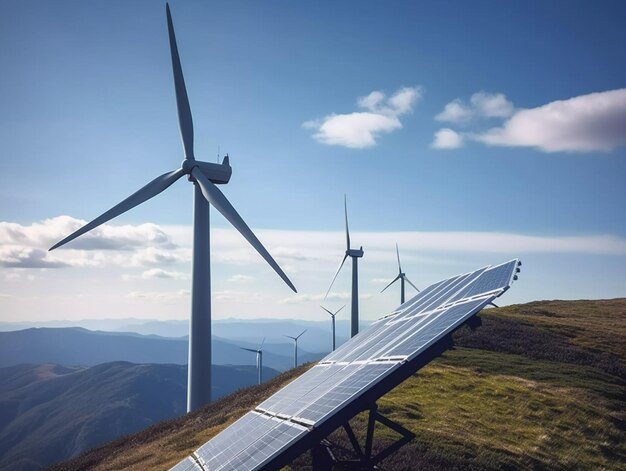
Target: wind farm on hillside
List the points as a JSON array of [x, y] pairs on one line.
[[177, 345]]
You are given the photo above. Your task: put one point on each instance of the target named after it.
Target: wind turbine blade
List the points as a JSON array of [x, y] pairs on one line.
[[152, 189], [409, 282], [394, 280], [327, 311], [289, 337], [345, 207], [262, 342], [214, 196], [336, 273], [249, 349], [182, 102], [301, 333], [398, 254], [337, 312]]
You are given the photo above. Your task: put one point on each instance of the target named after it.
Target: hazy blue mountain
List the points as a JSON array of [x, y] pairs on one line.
[[317, 338], [81, 347], [50, 412]]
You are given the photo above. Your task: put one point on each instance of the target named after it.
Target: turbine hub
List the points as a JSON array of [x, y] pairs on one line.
[[187, 165]]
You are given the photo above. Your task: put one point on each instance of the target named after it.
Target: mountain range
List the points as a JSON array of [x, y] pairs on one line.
[[75, 346], [50, 412]]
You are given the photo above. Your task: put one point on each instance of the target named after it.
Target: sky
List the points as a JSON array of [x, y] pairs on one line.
[[469, 133]]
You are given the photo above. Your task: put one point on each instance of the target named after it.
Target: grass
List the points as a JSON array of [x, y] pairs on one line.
[[539, 386], [598, 325]]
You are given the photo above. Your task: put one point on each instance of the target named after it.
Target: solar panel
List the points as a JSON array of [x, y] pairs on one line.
[[188, 464], [357, 373]]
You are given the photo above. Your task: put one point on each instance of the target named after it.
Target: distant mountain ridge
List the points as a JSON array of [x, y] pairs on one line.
[[317, 339], [75, 346], [50, 412]]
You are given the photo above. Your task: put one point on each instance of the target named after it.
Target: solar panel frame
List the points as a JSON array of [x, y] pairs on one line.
[[327, 404]]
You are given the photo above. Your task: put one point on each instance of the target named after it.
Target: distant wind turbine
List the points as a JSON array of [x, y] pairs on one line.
[[402, 277], [204, 176], [259, 358], [355, 254], [295, 347], [332, 315]]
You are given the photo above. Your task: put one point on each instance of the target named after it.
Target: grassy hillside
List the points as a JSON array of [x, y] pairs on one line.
[[540, 385]]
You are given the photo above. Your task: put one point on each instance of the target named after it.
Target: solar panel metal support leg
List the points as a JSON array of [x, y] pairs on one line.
[[322, 456], [324, 459]]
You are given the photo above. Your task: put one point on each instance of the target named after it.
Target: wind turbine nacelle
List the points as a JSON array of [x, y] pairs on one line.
[[355, 252], [216, 173]]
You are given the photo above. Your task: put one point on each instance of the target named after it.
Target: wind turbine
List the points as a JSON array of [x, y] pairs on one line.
[[204, 176], [259, 358], [402, 277], [355, 254], [295, 347], [332, 315]]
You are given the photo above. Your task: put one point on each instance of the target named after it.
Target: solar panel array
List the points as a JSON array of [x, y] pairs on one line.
[[345, 375]]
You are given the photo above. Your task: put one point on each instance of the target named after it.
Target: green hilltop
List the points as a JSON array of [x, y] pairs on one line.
[[539, 386]]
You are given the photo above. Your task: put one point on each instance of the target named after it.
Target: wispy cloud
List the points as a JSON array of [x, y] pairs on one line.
[[156, 274], [317, 298], [160, 295], [481, 105], [238, 278], [594, 122], [361, 129]]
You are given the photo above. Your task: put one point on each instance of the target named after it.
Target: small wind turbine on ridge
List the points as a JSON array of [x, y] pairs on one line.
[[355, 254], [295, 347], [204, 176], [259, 358], [402, 277], [332, 315]]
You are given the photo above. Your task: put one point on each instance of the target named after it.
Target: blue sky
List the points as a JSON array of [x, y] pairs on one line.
[[534, 141]]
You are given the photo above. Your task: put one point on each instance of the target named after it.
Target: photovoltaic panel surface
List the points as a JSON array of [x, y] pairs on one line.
[[395, 341]]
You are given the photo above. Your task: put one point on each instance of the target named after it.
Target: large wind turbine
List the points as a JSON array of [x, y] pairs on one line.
[[355, 254], [204, 176], [259, 358], [332, 315], [402, 277], [295, 347]]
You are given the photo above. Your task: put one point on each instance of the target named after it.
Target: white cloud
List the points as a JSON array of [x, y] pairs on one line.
[[238, 278], [491, 105], [317, 298], [482, 105], [157, 273], [381, 281], [13, 256], [155, 256], [361, 129], [446, 138], [242, 297], [160, 295], [106, 237], [594, 122]]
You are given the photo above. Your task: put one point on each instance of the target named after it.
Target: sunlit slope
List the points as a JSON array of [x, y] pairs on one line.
[[539, 385]]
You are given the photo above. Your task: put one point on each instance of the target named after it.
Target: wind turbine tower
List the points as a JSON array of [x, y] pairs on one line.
[[204, 176], [259, 358], [402, 277], [295, 347], [332, 315], [355, 254]]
